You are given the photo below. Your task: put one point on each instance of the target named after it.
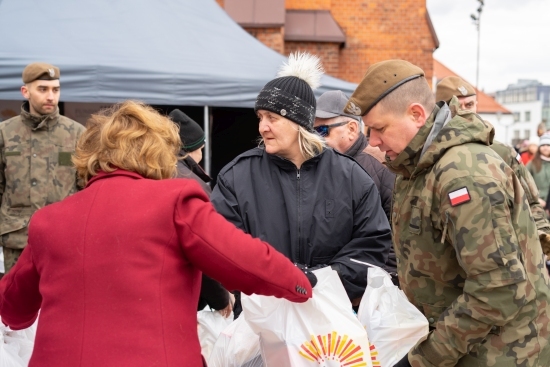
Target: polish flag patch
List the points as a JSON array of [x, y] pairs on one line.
[[459, 196]]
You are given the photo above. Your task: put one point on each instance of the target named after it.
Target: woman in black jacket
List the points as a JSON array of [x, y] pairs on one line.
[[311, 203]]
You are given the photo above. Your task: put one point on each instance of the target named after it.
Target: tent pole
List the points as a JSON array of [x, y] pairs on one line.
[[207, 155]]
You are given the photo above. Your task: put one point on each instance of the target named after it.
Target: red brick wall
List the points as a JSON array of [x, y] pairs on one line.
[[378, 30], [271, 37], [328, 52]]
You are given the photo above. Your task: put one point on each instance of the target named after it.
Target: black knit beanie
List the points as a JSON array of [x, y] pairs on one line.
[[191, 134], [291, 94]]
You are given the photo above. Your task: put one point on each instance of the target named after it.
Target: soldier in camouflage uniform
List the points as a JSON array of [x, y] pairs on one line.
[[466, 94], [467, 246], [35, 163]]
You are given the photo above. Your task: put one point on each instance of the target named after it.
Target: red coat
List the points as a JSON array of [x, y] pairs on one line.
[[116, 269]]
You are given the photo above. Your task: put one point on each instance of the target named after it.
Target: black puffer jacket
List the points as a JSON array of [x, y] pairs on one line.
[[327, 212], [212, 293], [384, 180]]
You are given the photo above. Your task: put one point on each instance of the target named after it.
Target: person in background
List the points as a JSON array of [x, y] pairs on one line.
[[35, 163], [344, 133], [115, 269], [213, 294], [468, 253], [530, 151], [539, 167], [313, 204]]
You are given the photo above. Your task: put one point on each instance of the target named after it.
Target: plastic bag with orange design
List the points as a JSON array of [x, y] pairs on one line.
[[323, 331]]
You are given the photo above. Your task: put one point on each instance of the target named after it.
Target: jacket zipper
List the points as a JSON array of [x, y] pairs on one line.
[[298, 248]]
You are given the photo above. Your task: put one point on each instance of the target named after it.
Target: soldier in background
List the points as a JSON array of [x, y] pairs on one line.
[[468, 254], [466, 95], [35, 164]]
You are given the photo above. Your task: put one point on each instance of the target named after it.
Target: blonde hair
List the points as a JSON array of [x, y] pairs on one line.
[[310, 144], [130, 136]]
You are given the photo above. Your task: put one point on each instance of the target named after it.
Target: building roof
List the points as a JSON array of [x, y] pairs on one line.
[[485, 103], [312, 25]]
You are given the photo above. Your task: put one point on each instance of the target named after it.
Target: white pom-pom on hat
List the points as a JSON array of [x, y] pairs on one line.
[[305, 66]]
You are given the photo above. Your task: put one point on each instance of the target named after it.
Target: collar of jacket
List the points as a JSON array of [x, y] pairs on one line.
[[463, 127], [194, 167], [288, 165], [36, 122], [117, 172], [358, 146]]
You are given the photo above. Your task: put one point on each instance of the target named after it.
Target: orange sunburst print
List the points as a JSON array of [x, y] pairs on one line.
[[333, 347]]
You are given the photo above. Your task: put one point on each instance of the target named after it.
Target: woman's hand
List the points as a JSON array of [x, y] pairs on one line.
[[229, 308]]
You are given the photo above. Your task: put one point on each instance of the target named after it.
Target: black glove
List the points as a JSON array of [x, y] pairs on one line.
[[309, 274], [404, 362]]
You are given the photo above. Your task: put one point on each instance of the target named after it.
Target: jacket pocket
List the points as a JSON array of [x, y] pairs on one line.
[[16, 174], [505, 235], [415, 223], [15, 219]]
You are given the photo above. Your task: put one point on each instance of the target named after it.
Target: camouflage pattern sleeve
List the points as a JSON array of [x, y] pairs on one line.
[[487, 246]]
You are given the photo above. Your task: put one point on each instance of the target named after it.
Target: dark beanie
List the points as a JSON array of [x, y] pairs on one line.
[[191, 134], [291, 94]]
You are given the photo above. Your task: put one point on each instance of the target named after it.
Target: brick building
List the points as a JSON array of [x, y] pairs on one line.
[[348, 35]]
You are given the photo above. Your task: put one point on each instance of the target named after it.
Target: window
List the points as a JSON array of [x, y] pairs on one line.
[[527, 116], [527, 134], [516, 134], [516, 117]]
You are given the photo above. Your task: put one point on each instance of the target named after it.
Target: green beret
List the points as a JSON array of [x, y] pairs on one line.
[[40, 71], [380, 80], [453, 86]]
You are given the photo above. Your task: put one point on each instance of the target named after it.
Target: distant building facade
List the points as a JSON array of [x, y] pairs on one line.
[[348, 35], [529, 101]]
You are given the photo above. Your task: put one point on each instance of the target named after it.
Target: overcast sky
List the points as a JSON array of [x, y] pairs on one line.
[[515, 40]]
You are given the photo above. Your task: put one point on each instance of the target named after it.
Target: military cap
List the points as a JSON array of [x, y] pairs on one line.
[[40, 71], [453, 86], [380, 80]]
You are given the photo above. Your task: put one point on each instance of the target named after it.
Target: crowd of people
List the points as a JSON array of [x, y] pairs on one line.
[[128, 237]]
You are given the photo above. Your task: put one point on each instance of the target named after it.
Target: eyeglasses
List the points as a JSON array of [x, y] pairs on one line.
[[324, 130]]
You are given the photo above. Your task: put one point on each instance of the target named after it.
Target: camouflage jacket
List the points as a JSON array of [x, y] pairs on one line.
[[468, 253], [35, 168], [511, 158]]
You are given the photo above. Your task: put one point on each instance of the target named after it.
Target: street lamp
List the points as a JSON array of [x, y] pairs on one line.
[[477, 22]]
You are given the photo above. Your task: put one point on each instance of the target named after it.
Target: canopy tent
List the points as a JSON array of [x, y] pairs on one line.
[[177, 52]]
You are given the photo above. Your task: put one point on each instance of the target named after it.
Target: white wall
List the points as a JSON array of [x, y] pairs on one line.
[[500, 122], [535, 108]]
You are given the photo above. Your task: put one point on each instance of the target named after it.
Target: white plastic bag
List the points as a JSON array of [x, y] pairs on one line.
[[323, 331], [16, 346], [393, 323], [237, 346], [211, 324]]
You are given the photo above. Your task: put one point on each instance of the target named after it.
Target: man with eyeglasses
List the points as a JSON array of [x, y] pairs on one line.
[[344, 133]]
